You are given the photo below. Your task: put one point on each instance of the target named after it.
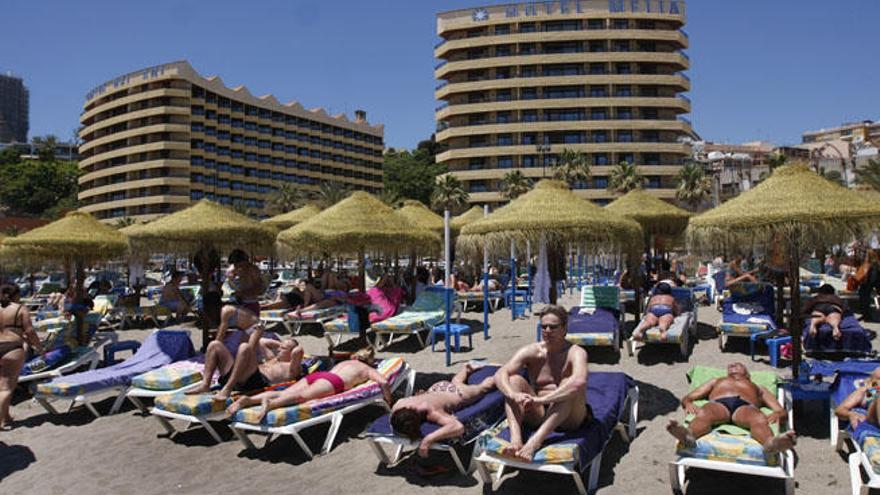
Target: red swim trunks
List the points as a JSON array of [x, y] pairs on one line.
[[338, 384]]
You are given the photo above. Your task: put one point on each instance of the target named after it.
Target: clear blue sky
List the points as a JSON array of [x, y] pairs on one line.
[[760, 69]]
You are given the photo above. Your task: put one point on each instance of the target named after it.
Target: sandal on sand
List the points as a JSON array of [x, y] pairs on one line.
[[428, 471]]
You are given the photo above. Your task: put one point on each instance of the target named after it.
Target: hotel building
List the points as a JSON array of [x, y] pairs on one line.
[[519, 83], [157, 139]]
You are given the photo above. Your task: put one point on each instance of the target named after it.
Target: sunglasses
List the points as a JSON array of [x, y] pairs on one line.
[[550, 327]]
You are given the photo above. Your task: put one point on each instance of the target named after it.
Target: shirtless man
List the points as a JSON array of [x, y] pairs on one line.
[[661, 312], [437, 405], [247, 282], [734, 399], [864, 397], [344, 376], [554, 395], [245, 373]]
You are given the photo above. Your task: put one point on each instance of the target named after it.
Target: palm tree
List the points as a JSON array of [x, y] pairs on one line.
[[330, 193], [239, 206], [869, 175], [124, 222], [285, 198], [390, 198], [625, 177], [514, 184], [572, 167], [449, 194], [694, 186], [776, 160]]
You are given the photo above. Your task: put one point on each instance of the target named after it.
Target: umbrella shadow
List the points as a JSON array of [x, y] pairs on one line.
[[655, 401], [700, 481], [14, 458], [413, 469]]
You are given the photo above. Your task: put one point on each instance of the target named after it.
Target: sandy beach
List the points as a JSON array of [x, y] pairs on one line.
[[129, 453]]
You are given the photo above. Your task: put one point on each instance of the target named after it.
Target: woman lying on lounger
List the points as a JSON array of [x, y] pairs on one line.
[[825, 307], [314, 298], [344, 376], [864, 397], [437, 405], [661, 312]]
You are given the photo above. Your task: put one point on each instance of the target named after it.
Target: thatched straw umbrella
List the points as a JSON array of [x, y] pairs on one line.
[[795, 209], [78, 238], [355, 225], [202, 230], [552, 212], [420, 215], [467, 218], [287, 220]]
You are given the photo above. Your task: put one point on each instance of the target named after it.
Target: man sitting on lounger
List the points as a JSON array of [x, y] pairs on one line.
[[864, 397], [734, 399], [553, 397], [247, 282], [344, 376], [661, 312], [437, 405], [245, 373]]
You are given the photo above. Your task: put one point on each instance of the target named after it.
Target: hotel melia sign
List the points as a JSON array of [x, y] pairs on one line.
[[672, 7]]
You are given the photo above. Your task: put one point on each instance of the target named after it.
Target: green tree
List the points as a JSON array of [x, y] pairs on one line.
[[34, 187], [240, 207], [449, 194], [10, 155], [284, 199], [390, 198], [412, 175], [776, 160], [514, 184], [625, 177], [694, 186], [330, 193], [123, 222], [572, 167], [869, 175], [45, 147]]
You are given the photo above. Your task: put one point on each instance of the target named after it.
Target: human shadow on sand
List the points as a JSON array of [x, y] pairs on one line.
[[443, 471], [701, 481], [77, 416], [14, 458], [655, 401]]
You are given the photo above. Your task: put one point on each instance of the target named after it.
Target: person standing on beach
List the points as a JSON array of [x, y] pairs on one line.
[[246, 280], [554, 396]]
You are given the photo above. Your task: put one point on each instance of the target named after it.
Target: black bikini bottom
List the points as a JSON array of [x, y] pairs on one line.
[[7, 347], [732, 403]]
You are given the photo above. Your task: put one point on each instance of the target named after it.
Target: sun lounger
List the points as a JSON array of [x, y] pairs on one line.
[[292, 420], [850, 374], [63, 353], [202, 409], [854, 340], [160, 348], [463, 298], [597, 319], [613, 398], [682, 330], [748, 310], [477, 417], [731, 449], [427, 311], [293, 323]]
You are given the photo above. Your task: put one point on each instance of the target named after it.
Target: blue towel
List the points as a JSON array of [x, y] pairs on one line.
[[854, 337], [603, 320]]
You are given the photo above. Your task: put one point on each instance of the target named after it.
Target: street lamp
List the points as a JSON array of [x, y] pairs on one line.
[[543, 149]]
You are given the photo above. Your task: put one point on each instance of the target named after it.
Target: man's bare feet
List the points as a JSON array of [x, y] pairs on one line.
[[681, 433], [199, 390], [236, 406], [781, 443], [527, 452], [264, 410], [222, 395], [512, 449]]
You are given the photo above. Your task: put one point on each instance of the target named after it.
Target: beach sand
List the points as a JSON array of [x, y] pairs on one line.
[[129, 453]]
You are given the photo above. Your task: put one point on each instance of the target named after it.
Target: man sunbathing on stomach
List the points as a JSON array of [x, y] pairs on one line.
[[554, 395], [437, 405], [245, 373], [344, 376], [734, 399]]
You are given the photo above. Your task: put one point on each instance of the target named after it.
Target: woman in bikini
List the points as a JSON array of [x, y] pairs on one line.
[[15, 332], [864, 397], [344, 376], [437, 405], [825, 307], [661, 312]]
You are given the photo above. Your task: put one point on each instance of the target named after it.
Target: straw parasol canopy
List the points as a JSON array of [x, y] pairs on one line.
[[552, 211], [794, 209], [421, 215], [360, 222], [656, 217], [794, 203], [287, 220], [78, 237], [203, 224], [466, 218]]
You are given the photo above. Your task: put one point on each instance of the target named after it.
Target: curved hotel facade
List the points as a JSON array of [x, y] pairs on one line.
[[519, 83], [157, 139]]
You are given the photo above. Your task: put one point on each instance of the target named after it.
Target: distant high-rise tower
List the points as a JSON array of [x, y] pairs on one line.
[[13, 109]]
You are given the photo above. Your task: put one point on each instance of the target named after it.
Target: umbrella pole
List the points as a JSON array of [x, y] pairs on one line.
[[362, 270], [79, 303], [512, 281], [529, 274], [485, 282], [447, 258], [794, 317]]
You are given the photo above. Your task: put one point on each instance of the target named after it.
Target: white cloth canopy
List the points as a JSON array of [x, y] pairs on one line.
[[542, 277]]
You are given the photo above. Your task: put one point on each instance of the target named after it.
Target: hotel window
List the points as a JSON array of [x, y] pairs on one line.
[[265, 114], [505, 162], [651, 158], [502, 73], [503, 117], [235, 169], [562, 47], [277, 147], [598, 115], [198, 110], [528, 93], [237, 107], [650, 136], [223, 151], [222, 167], [210, 164], [475, 53], [598, 91], [626, 157], [649, 113], [504, 140], [502, 29], [290, 149], [529, 161], [555, 92], [478, 141], [196, 160], [528, 71], [654, 182], [250, 141], [503, 95], [600, 182], [210, 131], [600, 136], [624, 113], [529, 138], [196, 127], [278, 132], [596, 69], [597, 46], [620, 46], [571, 25], [210, 147], [223, 102], [648, 91], [237, 138], [210, 97], [620, 24], [623, 91], [596, 24], [478, 186], [624, 136], [264, 129], [198, 92], [210, 114], [623, 68], [562, 70], [529, 115], [573, 138], [564, 114], [503, 51], [264, 159], [250, 126], [527, 27], [251, 111], [600, 158], [250, 157]]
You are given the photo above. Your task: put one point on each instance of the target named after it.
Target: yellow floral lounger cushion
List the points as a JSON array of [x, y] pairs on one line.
[[673, 336], [554, 453], [388, 368], [171, 377], [871, 448], [591, 339]]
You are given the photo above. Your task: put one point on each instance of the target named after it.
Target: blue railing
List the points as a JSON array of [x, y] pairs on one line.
[[442, 106], [685, 120], [685, 33], [683, 54], [441, 85], [441, 64], [685, 76], [439, 44], [685, 98]]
